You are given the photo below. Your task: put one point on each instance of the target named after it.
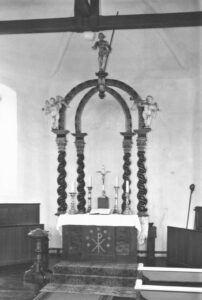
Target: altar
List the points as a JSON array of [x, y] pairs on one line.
[[99, 237]]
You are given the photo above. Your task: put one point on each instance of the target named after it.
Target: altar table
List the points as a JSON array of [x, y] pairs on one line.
[[99, 237]]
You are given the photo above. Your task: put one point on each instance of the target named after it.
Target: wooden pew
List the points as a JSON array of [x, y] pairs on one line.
[[155, 283]]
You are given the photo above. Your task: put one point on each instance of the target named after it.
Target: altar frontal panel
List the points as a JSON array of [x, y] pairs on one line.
[[105, 243]]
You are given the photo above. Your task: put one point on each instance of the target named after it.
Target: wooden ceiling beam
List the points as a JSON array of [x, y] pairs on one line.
[[81, 8], [95, 7], [149, 21], [75, 24]]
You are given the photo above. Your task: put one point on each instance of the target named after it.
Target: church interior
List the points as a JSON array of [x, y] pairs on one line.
[[101, 167]]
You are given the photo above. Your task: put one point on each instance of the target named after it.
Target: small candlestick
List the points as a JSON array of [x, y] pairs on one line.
[[90, 181], [117, 181], [72, 210], [127, 186], [116, 210], [127, 210], [89, 198], [73, 187]]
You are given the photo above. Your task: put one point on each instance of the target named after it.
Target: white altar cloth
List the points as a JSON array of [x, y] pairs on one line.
[[99, 220]]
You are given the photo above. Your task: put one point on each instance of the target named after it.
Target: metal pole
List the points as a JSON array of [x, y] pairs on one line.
[[112, 36], [192, 187]]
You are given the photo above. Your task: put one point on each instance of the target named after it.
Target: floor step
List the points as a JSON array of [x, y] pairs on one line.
[[94, 279], [15, 294], [99, 269], [89, 289]]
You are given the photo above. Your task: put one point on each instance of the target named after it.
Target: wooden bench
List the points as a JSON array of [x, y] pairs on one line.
[[155, 283]]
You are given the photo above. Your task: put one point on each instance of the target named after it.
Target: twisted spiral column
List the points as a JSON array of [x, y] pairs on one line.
[[141, 174], [61, 179], [127, 146], [79, 142]]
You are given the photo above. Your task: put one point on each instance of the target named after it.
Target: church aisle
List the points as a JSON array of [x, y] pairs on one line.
[[11, 283], [12, 286]]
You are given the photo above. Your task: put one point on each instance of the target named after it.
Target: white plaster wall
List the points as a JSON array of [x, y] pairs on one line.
[[173, 159], [174, 144], [173, 151]]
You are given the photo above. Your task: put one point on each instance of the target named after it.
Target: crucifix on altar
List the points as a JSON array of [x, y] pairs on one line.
[[103, 201]]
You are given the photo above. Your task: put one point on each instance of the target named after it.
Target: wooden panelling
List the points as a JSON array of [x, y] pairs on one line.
[[16, 247], [16, 221], [198, 218], [21, 214], [184, 247]]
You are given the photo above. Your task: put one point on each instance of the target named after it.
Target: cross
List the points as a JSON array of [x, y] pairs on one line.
[[103, 174]]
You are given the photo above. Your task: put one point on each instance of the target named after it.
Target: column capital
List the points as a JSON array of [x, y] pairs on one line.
[[141, 143], [61, 138], [127, 135], [79, 135], [127, 141], [79, 141], [142, 131], [61, 142], [60, 132]]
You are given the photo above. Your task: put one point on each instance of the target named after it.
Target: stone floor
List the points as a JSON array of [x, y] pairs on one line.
[[13, 288], [11, 284]]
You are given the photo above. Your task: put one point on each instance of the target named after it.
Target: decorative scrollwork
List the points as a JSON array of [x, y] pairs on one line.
[[142, 191], [62, 195]]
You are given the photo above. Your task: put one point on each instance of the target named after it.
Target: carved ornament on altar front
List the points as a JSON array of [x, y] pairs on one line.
[[107, 243], [99, 241]]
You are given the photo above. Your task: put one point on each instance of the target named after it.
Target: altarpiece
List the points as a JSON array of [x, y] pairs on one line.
[[77, 239]]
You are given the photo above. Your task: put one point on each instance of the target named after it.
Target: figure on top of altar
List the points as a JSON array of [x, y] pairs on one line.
[[52, 107], [150, 110], [104, 50]]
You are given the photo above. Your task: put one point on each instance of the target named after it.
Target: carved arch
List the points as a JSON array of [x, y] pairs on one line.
[[118, 98], [93, 83]]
